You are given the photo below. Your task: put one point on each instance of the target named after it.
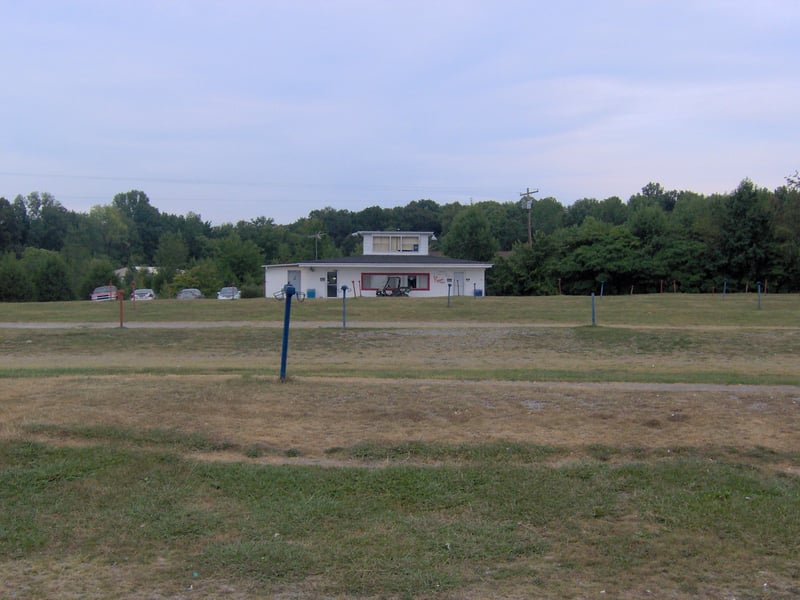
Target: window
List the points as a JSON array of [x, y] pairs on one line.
[[410, 243], [376, 281], [380, 243], [395, 243]]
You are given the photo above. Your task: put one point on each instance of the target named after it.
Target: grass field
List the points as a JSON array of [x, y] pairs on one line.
[[495, 448]]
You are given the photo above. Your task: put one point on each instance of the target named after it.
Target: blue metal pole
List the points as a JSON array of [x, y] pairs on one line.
[[759, 294], [594, 314], [724, 287], [344, 307], [448, 294], [289, 291]]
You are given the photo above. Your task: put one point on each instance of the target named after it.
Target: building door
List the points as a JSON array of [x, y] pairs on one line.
[[332, 281], [458, 283], [294, 279]]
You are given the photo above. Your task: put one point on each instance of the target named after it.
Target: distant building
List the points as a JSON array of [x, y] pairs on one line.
[[400, 259], [124, 271]]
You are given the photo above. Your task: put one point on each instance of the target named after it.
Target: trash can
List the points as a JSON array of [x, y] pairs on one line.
[[479, 292], [311, 293]]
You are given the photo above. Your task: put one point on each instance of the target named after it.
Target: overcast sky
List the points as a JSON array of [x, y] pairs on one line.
[[237, 109]]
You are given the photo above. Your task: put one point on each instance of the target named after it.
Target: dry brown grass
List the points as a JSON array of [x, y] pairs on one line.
[[314, 414]]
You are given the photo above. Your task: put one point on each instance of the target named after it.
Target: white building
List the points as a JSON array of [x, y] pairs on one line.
[[397, 258]]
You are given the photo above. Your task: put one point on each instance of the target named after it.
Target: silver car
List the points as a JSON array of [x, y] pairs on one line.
[[229, 293], [189, 294]]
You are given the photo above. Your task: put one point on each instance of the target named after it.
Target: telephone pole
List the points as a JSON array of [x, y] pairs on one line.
[[527, 194]]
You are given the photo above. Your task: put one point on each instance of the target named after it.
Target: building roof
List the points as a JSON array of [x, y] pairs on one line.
[[396, 260], [394, 232]]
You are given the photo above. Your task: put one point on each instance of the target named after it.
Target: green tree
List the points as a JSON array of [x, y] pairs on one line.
[[15, 284], [10, 234], [195, 232], [48, 273], [48, 221], [239, 261], [203, 275], [171, 255], [599, 252], [112, 232], [785, 271], [23, 222], [654, 194], [613, 210], [470, 236], [580, 210], [746, 233], [547, 216], [372, 218], [51, 280], [144, 223], [99, 271], [419, 215], [526, 271], [793, 181]]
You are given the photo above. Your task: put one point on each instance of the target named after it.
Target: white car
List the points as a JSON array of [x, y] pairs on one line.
[[143, 294], [229, 293]]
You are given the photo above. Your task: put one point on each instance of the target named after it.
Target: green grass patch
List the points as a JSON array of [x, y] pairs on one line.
[[432, 452], [404, 530], [657, 310], [757, 356]]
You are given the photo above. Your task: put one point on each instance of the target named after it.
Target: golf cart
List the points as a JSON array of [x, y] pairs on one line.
[[392, 287]]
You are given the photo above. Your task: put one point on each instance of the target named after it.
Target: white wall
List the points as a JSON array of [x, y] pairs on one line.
[[276, 278]]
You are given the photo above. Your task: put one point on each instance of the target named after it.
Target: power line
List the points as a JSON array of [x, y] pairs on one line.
[[248, 183]]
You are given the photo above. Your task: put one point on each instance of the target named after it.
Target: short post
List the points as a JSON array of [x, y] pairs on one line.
[[724, 287], [344, 307], [594, 314], [602, 287], [759, 295], [289, 292], [449, 285]]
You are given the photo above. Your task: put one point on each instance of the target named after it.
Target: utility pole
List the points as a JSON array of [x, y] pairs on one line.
[[528, 204], [317, 237]]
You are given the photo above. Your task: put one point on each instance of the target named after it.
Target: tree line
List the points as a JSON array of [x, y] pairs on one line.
[[658, 240]]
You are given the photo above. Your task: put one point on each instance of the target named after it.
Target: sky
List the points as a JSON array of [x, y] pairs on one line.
[[240, 109]]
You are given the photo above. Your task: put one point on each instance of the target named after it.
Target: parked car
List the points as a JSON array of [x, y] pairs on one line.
[[229, 293], [104, 292], [143, 294], [189, 294]]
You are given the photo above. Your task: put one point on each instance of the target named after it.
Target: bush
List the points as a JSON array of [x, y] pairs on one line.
[[15, 286], [252, 291]]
